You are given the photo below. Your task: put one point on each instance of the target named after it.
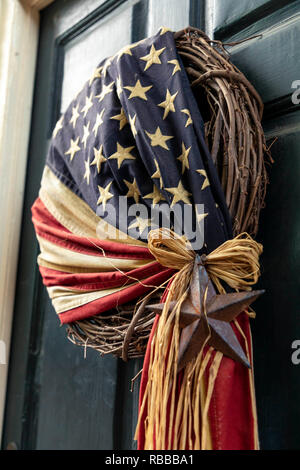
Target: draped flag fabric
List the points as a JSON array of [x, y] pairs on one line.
[[134, 136]]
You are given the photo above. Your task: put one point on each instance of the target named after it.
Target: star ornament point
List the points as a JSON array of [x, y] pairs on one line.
[[206, 180], [75, 115], [86, 133], [179, 194], [156, 196], [96, 74], [125, 50], [200, 216], [87, 173], [119, 86], [132, 122], [138, 91], [105, 67], [104, 195], [88, 104], [176, 68], [133, 190], [152, 57], [122, 118], [189, 120], [184, 158], [98, 121], [98, 158], [168, 104], [140, 223], [157, 173], [122, 153], [74, 148], [58, 126], [106, 89], [164, 30], [205, 318], [158, 139]]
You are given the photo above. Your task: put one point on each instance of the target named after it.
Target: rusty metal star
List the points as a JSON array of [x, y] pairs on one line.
[[205, 316]]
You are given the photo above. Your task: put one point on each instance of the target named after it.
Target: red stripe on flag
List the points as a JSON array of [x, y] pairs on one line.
[[98, 281], [112, 301], [144, 277], [230, 412], [48, 227], [231, 415]]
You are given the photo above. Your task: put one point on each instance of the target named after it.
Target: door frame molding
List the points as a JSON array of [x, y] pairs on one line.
[[19, 33]]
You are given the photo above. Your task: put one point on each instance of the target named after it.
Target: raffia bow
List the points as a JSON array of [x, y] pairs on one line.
[[236, 263]]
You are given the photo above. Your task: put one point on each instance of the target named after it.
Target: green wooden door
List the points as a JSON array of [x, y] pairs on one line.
[[271, 62], [57, 399]]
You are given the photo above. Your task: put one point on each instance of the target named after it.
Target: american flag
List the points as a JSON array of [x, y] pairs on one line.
[[134, 130]]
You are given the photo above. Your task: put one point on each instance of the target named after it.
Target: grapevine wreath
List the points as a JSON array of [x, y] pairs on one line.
[[232, 111]]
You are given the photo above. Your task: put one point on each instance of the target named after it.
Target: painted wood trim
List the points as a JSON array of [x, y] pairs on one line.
[[19, 30]]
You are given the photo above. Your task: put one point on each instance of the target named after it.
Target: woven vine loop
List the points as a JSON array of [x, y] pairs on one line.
[[232, 111]]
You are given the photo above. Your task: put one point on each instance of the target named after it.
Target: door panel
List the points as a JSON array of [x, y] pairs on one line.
[[231, 10], [94, 45], [267, 61], [277, 323], [271, 62], [69, 14], [230, 18], [173, 14], [76, 394]]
